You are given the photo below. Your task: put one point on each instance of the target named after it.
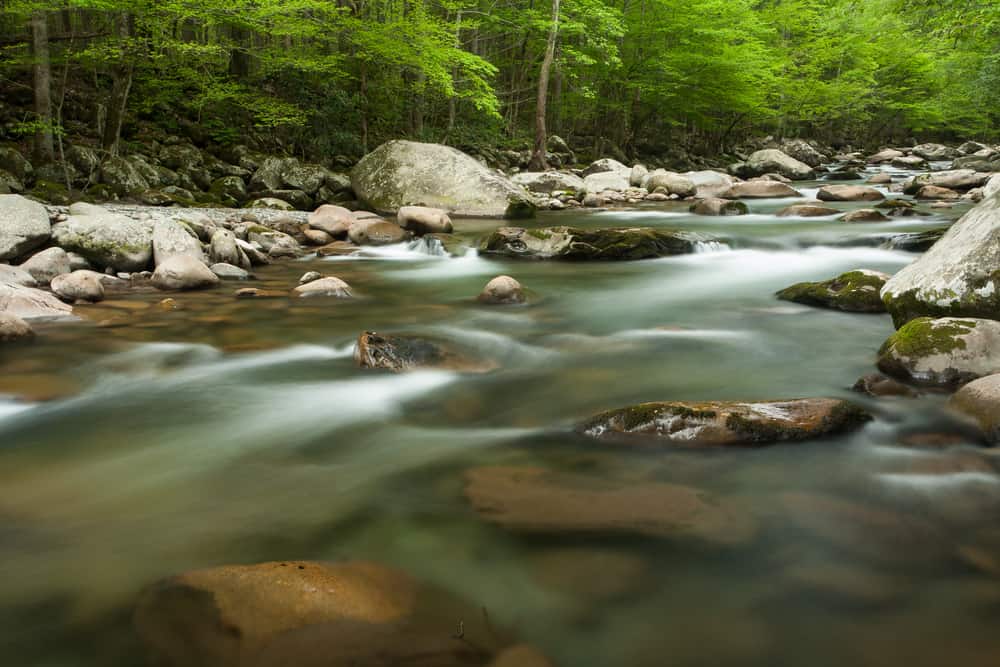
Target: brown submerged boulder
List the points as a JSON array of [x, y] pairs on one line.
[[310, 614], [864, 215], [725, 423], [399, 353], [807, 211], [502, 290], [535, 500], [589, 244], [760, 190]]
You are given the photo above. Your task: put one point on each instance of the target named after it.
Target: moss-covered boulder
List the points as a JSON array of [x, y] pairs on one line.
[[725, 423], [107, 239], [946, 352], [959, 276], [980, 401], [404, 173], [853, 292], [123, 176], [589, 244], [401, 352]]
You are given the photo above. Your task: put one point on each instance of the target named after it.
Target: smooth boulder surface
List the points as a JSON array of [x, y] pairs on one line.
[[107, 240], [502, 290], [79, 286], [16, 275], [864, 215], [954, 179], [229, 272], [47, 264], [807, 211], [718, 206], [183, 272], [399, 353], [24, 225], [774, 161], [606, 180], [709, 183], [935, 152], [403, 173], [946, 352], [421, 220], [671, 183], [547, 182], [760, 190], [540, 501], [936, 193], [853, 292], [725, 423], [589, 244], [334, 220], [310, 614], [957, 276], [170, 239], [372, 231], [29, 303], [980, 401], [885, 155], [225, 249], [329, 287], [13, 328], [849, 193]]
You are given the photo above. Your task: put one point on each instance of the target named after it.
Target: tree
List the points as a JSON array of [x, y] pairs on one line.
[[538, 161]]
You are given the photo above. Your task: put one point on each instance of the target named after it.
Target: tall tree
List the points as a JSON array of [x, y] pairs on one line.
[[41, 69], [538, 161]]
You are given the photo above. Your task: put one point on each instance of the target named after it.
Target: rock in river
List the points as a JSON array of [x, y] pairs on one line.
[[502, 290], [400, 353], [807, 211], [980, 401], [403, 173], [329, 286], [853, 292], [773, 161], [946, 352], [30, 303], [760, 190], [172, 238], [718, 206], [79, 286], [13, 328], [589, 244], [183, 272], [47, 264], [717, 423], [424, 220], [864, 215], [107, 239], [535, 500], [310, 614], [849, 193], [24, 225]]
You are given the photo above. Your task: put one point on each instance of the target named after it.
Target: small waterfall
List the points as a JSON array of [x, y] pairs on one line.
[[710, 246]]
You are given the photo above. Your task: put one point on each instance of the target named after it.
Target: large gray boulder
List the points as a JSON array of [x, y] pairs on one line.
[[124, 177], [955, 179], [402, 173], [957, 276], [79, 286], [171, 238], [946, 352], [773, 161], [935, 152], [606, 180], [547, 182], [16, 164], [709, 183], [672, 183], [29, 303], [107, 240], [24, 225], [759, 190], [47, 264], [607, 164], [803, 151], [183, 272]]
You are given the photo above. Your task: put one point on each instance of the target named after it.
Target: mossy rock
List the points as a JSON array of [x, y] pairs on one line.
[[852, 292], [572, 243], [946, 352], [51, 192]]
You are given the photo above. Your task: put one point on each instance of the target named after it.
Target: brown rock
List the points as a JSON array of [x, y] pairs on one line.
[[807, 211], [502, 290], [317, 237], [979, 401], [849, 193], [760, 190], [936, 192], [400, 353], [78, 286], [337, 248], [864, 215], [878, 385], [334, 220], [13, 328], [329, 286]]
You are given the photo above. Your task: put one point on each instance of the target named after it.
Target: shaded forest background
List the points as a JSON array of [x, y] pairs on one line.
[[323, 78]]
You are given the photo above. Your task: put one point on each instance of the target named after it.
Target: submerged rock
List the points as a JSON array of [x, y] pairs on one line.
[[718, 206], [535, 500], [717, 423], [24, 225], [183, 272], [502, 290], [980, 401], [878, 385], [310, 614], [760, 190], [807, 211], [853, 292], [589, 244], [915, 241], [400, 353], [946, 352], [13, 328], [402, 173], [329, 286], [849, 193]]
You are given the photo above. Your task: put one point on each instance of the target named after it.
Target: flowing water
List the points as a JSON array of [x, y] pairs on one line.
[[141, 442]]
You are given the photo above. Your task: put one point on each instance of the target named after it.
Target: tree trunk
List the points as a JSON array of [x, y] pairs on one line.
[[120, 88], [41, 70], [538, 162]]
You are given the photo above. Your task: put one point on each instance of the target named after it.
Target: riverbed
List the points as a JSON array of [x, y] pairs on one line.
[[146, 440]]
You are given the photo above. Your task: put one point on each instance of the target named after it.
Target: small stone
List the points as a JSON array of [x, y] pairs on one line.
[[229, 272], [168, 304], [502, 290], [78, 286]]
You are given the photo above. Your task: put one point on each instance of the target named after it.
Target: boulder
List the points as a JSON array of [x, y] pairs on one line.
[[946, 352], [310, 276], [399, 353], [864, 215], [672, 184], [229, 189], [638, 175], [297, 199], [183, 157], [230, 272], [843, 175], [107, 240], [24, 225], [16, 164], [334, 220], [13, 328], [183, 272], [607, 165], [172, 238], [803, 151], [16, 275], [721, 423], [760, 190], [29, 303], [502, 290], [374, 231], [716, 206], [547, 182], [957, 275], [225, 249], [329, 286], [955, 179], [877, 385], [401, 173], [709, 184], [915, 241], [935, 192], [773, 161], [78, 286], [316, 237], [589, 244], [935, 152], [992, 187], [310, 614], [423, 220], [881, 178], [272, 203], [980, 401], [853, 292], [47, 264], [606, 180], [124, 177], [268, 175], [807, 211], [909, 162], [971, 147], [253, 253], [308, 178], [273, 242], [885, 155], [849, 193]]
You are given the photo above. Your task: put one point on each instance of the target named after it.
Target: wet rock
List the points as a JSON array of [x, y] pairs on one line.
[[257, 293], [106, 239], [329, 287], [843, 175], [864, 215], [124, 177], [310, 276], [885, 155], [760, 190], [853, 292], [594, 201], [78, 286], [274, 243], [172, 238], [878, 385], [229, 272], [709, 184], [24, 225], [400, 353], [849, 193], [334, 220], [717, 206], [422, 220], [935, 192], [955, 179], [909, 162], [16, 275], [13, 328], [770, 161], [337, 248], [315, 237], [225, 249], [980, 401], [535, 500], [718, 423], [672, 183], [803, 151], [935, 152], [881, 178], [547, 182], [502, 290], [310, 614], [605, 181], [807, 211], [371, 231], [946, 352], [957, 276], [183, 272], [401, 173], [29, 303], [589, 244]]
